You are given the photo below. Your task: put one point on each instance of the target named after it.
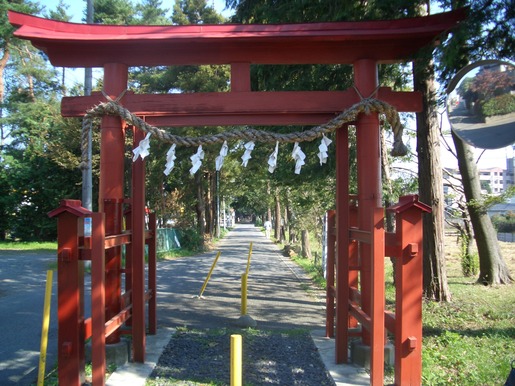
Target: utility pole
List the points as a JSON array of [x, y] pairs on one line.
[[87, 180]]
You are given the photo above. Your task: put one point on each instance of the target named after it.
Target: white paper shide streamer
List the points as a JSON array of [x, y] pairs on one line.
[[299, 157], [219, 161], [196, 160], [143, 148], [323, 147], [272, 160], [170, 159], [249, 146]]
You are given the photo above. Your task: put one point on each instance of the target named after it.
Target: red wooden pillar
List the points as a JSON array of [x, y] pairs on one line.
[[369, 198], [128, 263], [330, 288], [354, 261], [98, 339], [112, 159], [369, 175], [152, 275], [70, 292], [342, 244], [138, 254], [377, 326], [408, 297]]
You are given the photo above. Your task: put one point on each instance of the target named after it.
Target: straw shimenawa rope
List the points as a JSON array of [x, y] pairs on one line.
[[366, 106]]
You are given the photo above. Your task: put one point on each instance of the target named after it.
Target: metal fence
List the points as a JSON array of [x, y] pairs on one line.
[[508, 237], [167, 239]]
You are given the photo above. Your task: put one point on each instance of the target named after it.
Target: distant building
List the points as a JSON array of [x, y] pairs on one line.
[[492, 180], [509, 173]]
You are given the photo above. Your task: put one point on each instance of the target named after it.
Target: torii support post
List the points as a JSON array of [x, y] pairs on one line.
[[70, 292], [112, 162], [342, 243], [98, 329], [330, 287], [369, 176], [409, 287], [138, 254], [152, 275]]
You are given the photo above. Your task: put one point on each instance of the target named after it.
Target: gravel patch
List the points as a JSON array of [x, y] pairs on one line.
[[270, 357]]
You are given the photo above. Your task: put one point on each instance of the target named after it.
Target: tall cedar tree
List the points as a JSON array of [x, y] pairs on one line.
[[488, 33]]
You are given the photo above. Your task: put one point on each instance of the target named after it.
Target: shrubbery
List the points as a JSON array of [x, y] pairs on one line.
[[504, 223], [190, 239], [500, 105]]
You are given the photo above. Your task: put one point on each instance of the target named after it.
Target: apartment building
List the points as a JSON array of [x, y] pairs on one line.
[[493, 180]]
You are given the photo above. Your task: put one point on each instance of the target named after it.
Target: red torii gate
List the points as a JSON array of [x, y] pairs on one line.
[[116, 48]]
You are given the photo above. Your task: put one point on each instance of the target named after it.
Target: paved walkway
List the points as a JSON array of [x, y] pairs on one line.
[[279, 296]]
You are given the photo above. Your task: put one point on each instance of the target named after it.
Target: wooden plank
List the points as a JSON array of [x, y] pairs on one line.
[[246, 107], [117, 240]]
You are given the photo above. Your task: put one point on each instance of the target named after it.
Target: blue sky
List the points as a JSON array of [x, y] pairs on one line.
[[77, 7]]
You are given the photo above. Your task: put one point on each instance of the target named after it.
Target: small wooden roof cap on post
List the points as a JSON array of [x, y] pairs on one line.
[[92, 45], [408, 202], [70, 206]]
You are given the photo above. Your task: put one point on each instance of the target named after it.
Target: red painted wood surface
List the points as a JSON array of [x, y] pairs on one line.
[[369, 177], [98, 338], [377, 300], [330, 273], [138, 253], [70, 293], [342, 243], [408, 299], [79, 45], [152, 274], [242, 107], [111, 195]]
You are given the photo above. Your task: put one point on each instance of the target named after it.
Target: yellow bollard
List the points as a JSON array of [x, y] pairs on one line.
[[248, 259], [209, 274], [236, 362], [244, 294], [44, 329]]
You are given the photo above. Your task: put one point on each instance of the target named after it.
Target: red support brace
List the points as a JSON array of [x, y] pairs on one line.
[[70, 292], [408, 298]]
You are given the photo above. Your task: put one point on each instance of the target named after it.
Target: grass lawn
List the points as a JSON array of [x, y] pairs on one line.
[[471, 340]]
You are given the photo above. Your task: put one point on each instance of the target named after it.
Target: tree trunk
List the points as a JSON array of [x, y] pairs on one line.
[[277, 224], [200, 206], [431, 183], [210, 205], [492, 268], [306, 249]]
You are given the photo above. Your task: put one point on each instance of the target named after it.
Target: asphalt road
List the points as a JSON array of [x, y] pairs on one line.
[[22, 294], [494, 135]]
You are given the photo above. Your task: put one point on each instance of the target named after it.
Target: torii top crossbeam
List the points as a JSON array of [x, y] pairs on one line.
[[85, 45]]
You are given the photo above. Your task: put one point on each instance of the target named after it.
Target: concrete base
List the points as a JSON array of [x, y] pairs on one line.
[[246, 321], [116, 353], [360, 354]]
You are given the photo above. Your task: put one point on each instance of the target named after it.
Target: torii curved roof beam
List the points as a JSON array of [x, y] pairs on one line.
[[85, 45]]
